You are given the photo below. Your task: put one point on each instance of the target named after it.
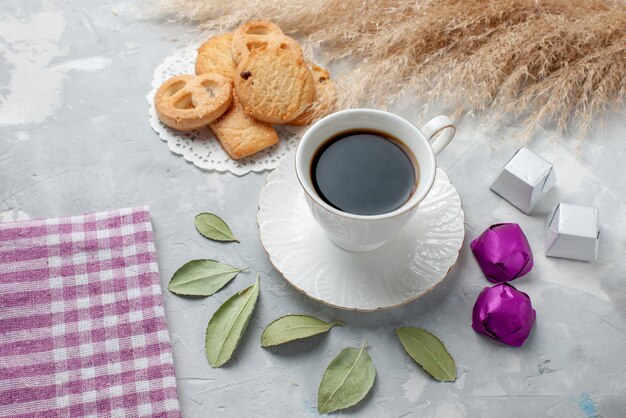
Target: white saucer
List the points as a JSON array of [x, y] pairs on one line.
[[407, 267]]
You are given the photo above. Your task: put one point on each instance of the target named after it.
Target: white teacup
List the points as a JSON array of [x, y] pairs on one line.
[[369, 232]]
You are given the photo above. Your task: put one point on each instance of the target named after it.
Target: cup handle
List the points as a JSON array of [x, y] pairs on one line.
[[443, 126]]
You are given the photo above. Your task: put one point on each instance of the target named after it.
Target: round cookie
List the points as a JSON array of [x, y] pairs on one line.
[[187, 102], [274, 85], [257, 34], [214, 56], [325, 96]]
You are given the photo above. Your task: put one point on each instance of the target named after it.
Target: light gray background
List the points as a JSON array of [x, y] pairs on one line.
[[75, 138]]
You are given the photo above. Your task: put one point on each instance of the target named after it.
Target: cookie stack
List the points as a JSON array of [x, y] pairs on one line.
[[245, 82]]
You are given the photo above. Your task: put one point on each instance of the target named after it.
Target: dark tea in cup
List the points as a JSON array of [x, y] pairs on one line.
[[364, 172]]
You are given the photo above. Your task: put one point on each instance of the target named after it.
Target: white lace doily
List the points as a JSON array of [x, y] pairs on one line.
[[200, 146]]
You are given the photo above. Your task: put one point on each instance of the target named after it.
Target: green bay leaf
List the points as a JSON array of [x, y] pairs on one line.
[[294, 327], [213, 227], [228, 324], [347, 380], [429, 352], [201, 277]]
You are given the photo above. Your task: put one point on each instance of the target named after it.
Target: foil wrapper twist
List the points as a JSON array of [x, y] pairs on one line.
[[504, 313], [503, 252]]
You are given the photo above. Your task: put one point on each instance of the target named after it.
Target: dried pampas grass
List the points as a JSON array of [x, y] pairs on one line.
[[561, 63]]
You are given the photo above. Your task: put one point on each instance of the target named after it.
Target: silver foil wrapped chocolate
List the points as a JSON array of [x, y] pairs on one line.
[[525, 180], [573, 232]]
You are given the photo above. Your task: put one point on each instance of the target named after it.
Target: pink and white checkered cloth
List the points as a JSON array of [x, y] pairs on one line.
[[82, 326]]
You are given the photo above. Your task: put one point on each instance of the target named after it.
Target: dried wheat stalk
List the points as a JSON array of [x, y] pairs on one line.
[[561, 63]]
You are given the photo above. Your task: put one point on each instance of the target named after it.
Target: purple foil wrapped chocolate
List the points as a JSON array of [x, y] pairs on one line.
[[503, 313], [503, 252]]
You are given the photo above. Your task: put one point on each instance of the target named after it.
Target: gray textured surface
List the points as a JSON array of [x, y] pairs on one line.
[[75, 138]]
